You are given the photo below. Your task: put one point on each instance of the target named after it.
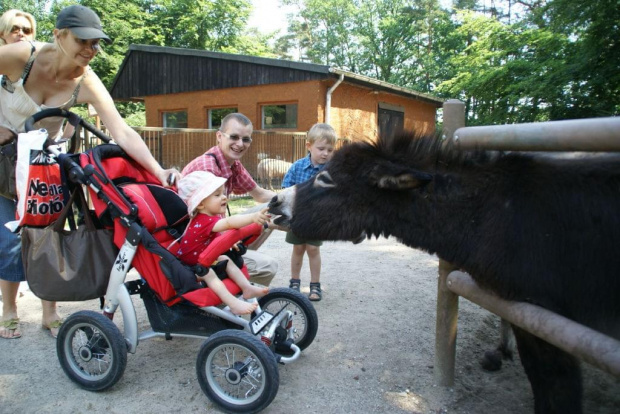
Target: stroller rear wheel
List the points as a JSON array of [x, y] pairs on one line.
[[305, 319], [91, 350], [237, 372]]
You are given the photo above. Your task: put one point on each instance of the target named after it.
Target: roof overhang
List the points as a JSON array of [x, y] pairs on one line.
[[386, 87], [324, 70]]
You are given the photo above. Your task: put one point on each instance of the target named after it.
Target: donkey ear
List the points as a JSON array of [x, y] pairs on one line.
[[392, 177]]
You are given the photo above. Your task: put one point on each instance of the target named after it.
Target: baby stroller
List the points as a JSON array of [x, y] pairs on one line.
[[237, 363]]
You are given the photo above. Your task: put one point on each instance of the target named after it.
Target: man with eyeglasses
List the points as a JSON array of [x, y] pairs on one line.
[[224, 160]]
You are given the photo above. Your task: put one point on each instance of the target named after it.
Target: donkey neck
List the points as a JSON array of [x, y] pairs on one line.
[[452, 213]]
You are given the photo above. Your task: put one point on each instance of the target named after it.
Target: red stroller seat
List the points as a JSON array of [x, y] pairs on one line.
[[127, 193]]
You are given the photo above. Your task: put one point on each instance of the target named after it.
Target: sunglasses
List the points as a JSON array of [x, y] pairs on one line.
[[245, 140], [93, 44], [26, 30]]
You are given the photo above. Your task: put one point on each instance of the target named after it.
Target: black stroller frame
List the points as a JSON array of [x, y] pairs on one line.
[[237, 363]]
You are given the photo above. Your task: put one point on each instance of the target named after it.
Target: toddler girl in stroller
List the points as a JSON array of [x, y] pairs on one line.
[[237, 365], [206, 200]]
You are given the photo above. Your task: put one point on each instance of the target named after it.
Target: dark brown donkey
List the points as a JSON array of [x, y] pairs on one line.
[[539, 228]]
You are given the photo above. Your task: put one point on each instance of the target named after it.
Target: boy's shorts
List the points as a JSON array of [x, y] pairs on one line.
[[292, 239]]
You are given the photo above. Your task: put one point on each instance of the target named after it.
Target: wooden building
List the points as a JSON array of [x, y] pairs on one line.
[[187, 88]]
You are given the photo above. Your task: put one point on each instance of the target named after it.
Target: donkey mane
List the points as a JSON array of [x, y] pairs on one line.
[[430, 149], [434, 154]]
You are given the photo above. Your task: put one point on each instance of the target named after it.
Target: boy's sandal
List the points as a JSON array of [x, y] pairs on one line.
[[294, 284], [316, 294]]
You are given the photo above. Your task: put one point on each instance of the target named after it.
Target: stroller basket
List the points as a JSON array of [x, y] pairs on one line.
[[180, 319]]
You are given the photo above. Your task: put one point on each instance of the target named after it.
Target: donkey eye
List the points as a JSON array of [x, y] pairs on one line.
[[323, 179]]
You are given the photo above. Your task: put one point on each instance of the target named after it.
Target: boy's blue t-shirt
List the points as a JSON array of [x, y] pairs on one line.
[[301, 170]]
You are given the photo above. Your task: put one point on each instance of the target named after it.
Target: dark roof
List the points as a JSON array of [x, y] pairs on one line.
[[156, 70]]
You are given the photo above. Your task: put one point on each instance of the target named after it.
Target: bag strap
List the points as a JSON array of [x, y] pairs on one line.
[[59, 225], [29, 64], [214, 158], [88, 220]]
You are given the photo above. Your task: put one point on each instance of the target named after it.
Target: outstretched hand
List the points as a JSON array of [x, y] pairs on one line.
[[261, 217]]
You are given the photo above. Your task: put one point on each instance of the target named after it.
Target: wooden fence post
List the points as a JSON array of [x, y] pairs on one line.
[[447, 302], [453, 118], [445, 328]]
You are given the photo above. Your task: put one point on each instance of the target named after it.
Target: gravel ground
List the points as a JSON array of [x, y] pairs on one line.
[[373, 352]]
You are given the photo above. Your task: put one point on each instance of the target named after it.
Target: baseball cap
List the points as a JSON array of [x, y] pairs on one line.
[[196, 186], [82, 21]]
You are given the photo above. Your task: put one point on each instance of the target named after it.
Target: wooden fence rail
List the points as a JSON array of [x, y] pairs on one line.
[[598, 134], [176, 147]]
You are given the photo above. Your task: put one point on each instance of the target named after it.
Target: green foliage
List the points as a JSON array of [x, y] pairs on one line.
[[385, 30], [238, 205], [324, 31], [559, 63], [593, 58], [136, 118], [512, 61], [509, 70], [430, 47], [253, 43], [201, 24]]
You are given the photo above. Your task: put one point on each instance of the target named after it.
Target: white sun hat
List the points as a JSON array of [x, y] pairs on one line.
[[196, 186]]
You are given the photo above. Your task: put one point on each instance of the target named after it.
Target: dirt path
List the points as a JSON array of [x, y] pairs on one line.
[[373, 353]]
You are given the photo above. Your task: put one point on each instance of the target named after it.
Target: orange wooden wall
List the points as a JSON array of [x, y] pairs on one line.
[[353, 115]]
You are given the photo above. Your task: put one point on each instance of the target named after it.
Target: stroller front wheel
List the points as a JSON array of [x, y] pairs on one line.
[[91, 350], [237, 372], [305, 318]]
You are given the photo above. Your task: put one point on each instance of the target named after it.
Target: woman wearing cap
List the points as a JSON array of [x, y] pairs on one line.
[[15, 26], [56, 75], [205, 196]]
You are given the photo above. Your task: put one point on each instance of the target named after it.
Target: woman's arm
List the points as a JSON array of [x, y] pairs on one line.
[[241, 220], [94, 92], [13, 59]]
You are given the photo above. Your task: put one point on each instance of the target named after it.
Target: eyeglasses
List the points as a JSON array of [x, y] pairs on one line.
[[26, 30], [94, 44], [245, 140]]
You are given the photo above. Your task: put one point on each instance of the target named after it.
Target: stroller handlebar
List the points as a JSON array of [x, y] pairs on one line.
[[73, 118]]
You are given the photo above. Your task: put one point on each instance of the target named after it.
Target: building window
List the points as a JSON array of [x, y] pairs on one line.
[[176, 119], [215, 116], [279, 116]]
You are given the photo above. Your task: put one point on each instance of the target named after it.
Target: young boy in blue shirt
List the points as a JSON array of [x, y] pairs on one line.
[[320, 144]]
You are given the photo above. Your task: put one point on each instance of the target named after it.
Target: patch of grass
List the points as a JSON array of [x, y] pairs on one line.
[[240, 204]]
